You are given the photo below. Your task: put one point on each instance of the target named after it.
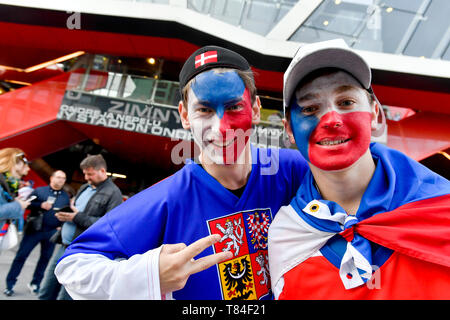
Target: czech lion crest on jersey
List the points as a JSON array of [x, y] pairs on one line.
[[246, 275]]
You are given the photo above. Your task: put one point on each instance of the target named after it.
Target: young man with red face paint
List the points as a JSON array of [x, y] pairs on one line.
[[202, 232], [367, 221]]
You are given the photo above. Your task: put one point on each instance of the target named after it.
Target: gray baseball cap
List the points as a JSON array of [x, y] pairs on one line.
[[326, 54]]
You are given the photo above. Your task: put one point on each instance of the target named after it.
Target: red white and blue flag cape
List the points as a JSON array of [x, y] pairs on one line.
[[397, 246]]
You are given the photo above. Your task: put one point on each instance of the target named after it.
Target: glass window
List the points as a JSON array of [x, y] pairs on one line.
[[166, 92], [386, 30], [446, 55], [284, 8], [430, 31], [259, 17], [110, 88], [412, 6], [138, 88], [413, 27], [345, 18], [227, 11]]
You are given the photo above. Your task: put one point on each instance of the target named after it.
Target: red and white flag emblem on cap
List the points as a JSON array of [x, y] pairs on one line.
[[205, 57]]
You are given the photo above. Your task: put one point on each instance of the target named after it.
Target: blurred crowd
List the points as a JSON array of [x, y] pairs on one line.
[[50, 216]]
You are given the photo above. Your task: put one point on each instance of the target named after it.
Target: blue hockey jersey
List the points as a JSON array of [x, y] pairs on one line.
[[190, 205]]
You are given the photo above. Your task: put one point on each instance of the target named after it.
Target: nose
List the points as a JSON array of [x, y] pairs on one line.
[[226, 128], [331, 119], [215, 126]]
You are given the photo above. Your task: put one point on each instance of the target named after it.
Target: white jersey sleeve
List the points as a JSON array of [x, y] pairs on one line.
[[94, 276]]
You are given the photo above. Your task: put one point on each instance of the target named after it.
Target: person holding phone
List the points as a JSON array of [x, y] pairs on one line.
[[13, 166], [40, 226]]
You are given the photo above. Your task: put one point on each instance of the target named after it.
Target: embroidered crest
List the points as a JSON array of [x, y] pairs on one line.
[[259, 223], [246, 275]]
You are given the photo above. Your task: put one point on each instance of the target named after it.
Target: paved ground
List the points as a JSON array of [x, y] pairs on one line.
[[21, 290]]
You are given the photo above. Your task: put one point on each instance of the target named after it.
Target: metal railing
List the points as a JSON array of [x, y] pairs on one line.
[[126, 86]]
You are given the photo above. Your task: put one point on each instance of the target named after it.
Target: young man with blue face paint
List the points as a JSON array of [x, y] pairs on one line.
[[202, 232], [220, 114], [367, 221]]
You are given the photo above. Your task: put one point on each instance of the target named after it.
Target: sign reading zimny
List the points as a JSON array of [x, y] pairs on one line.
[[122, 114], [142, 117]]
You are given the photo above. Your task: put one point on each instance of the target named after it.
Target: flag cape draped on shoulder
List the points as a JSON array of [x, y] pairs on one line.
[[404, 211]]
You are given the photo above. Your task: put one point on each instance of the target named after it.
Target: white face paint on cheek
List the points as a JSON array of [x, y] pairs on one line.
[[204, 130]]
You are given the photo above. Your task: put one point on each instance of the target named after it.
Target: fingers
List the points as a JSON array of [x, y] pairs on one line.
[[176, 262], [59, 216], [208, 261], [173, 248], [62, 216], [198, 246]]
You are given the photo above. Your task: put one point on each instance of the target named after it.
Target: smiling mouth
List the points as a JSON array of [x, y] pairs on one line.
[[329, 142], [223, 145]]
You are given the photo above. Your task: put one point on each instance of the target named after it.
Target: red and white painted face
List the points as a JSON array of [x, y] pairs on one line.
[[220, 115], [331, 121]]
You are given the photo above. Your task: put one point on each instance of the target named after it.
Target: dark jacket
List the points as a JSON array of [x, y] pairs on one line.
[[107, 197], [49, 221]]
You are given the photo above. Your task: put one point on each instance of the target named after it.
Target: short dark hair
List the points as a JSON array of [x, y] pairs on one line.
[[93, 161]]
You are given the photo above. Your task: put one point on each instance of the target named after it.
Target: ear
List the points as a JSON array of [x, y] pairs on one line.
[[374, 112], [103, 171], [184, 115], [287, 127], [256, 111]]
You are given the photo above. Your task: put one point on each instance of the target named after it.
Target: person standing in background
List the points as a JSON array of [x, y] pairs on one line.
[[41, 225], [98, 196], [13, 166]]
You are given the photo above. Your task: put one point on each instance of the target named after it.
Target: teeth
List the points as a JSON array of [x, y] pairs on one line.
[[331, 142], [226, 144]]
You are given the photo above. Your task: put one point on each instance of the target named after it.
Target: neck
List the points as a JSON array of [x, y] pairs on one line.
[[15, 174], [56, 188], [346, 187], [231, 176], [95, 185]]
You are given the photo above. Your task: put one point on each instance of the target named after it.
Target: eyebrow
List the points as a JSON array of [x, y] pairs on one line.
[[233, 101], [344, 88], [308, 96], [340, 89], [207, 103]]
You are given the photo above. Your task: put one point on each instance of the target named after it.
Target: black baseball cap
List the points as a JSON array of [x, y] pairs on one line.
[[210, 57]]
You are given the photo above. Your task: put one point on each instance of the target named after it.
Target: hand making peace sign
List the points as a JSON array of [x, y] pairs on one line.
[[176, 262]]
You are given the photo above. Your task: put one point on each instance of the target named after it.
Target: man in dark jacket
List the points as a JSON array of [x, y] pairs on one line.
[[41, 225], [95, 198], [98, 196]]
